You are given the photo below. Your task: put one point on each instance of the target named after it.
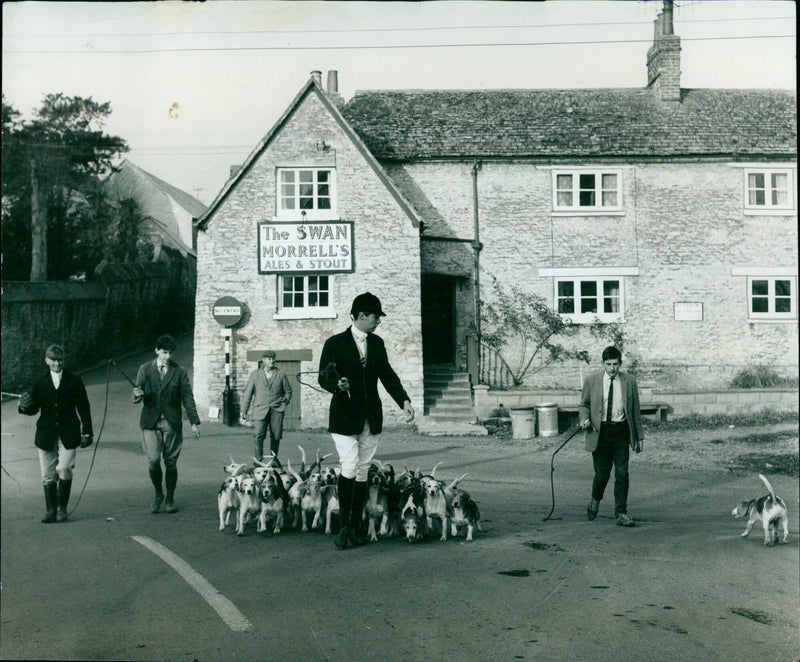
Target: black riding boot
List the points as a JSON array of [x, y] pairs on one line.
[[345, 490], [357, 533], [171, 480], [63, 490], [156, 477], [50, 498]]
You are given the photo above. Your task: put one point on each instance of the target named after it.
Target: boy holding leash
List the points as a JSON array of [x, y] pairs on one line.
[[609, 411], [64, 425]]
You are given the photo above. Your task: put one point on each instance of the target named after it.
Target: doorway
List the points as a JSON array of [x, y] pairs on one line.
[[438, 319]]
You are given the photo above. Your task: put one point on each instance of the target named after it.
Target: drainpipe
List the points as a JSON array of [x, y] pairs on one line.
[[476, 249]]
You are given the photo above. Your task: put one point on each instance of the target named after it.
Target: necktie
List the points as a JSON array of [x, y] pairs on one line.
[[162, 369], [610, 400]]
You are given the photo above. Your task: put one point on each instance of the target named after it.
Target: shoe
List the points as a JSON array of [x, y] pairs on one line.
[[157, 501], [170, 506], [624, 520], [50, 517], [357, 538], [591, 509], [61, 515], [342, 538]]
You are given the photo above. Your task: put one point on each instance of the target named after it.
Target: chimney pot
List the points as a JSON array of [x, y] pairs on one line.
[[333, 81], [317, 76]]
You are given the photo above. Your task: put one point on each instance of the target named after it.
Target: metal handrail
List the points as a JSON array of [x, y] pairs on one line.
[[486, 365]]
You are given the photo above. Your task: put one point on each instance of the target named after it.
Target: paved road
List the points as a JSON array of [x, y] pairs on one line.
[[118, 583]]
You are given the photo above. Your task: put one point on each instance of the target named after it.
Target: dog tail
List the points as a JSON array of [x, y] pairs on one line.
[[769, 487]]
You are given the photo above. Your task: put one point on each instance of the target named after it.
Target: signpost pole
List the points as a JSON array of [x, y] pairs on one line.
[[228, 416], [228, 312]]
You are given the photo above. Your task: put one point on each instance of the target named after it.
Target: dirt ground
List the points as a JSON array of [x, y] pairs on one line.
[[770, 449]]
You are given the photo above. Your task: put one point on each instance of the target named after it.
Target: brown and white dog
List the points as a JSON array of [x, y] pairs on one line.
[[250, 502], [411, 519], [310, 501], [435, 501], [228, 502], [273, 504], [464, 511], [770, 510], [330, 504]]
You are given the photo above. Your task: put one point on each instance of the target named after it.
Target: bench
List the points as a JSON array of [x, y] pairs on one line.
[[659, 409]]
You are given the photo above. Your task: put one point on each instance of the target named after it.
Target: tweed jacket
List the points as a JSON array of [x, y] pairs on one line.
[[165, 397], [591, 407], [266, 394], [348, 414], [66, 414]]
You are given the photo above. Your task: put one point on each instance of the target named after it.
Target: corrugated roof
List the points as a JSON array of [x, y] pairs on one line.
[[584, 123]]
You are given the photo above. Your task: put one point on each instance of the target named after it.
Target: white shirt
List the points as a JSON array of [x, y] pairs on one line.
[[617, 411], [361, 341], [56, 377]]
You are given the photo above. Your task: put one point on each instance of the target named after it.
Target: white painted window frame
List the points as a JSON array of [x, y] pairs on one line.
[[305, 311], [772, 297], [588, 318], [771, 274], [576, 208], [313, 214]]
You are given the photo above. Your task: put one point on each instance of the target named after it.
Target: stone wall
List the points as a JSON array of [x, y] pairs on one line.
[[682, 232]]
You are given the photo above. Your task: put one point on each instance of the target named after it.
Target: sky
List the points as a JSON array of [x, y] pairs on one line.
[[194, 86]]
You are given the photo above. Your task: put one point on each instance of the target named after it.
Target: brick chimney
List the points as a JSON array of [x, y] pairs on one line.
[[664, 58]]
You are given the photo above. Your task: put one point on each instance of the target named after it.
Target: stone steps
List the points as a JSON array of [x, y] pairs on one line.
[[448, 408]]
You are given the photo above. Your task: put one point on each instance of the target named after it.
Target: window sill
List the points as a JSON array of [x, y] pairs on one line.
[[768, 211], [587, 212], [305, 314], [311, 217], [772, 320], [594, 317]]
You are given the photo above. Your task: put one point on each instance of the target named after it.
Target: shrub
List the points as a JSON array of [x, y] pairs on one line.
[[760, 376]]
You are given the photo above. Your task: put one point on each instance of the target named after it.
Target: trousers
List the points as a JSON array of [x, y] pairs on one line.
[[612, 451]]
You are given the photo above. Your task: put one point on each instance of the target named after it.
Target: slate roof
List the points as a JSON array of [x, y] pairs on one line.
[[575, 123], [155, 197]]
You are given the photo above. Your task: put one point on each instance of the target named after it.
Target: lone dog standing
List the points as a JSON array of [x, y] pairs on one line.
[[64, 425], [350, 366], [270, 391], [162, 386], [609, 411]]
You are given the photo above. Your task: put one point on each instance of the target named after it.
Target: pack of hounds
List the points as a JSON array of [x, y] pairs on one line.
[[412, 504]]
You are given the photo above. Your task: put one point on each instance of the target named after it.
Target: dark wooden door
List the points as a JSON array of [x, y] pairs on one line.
[[438, 319], [291, 417]]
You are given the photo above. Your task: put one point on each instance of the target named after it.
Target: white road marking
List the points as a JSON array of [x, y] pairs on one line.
[[228, 611]]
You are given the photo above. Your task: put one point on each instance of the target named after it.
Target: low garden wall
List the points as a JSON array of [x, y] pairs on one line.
[[678, 402]]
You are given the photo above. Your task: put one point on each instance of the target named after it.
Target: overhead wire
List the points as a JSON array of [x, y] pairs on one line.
[[359, 47]]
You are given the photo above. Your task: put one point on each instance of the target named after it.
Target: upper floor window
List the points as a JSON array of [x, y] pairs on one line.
[[772, 297], [587, 190], [309, 190], [584, 299], [303, 297], [769, 189]]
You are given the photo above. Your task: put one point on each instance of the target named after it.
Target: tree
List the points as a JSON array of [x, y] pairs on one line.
[[58, 159], [523, 328]]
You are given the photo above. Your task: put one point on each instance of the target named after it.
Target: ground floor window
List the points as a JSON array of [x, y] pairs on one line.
[[303, 297], [585, 299], [772, 297]]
